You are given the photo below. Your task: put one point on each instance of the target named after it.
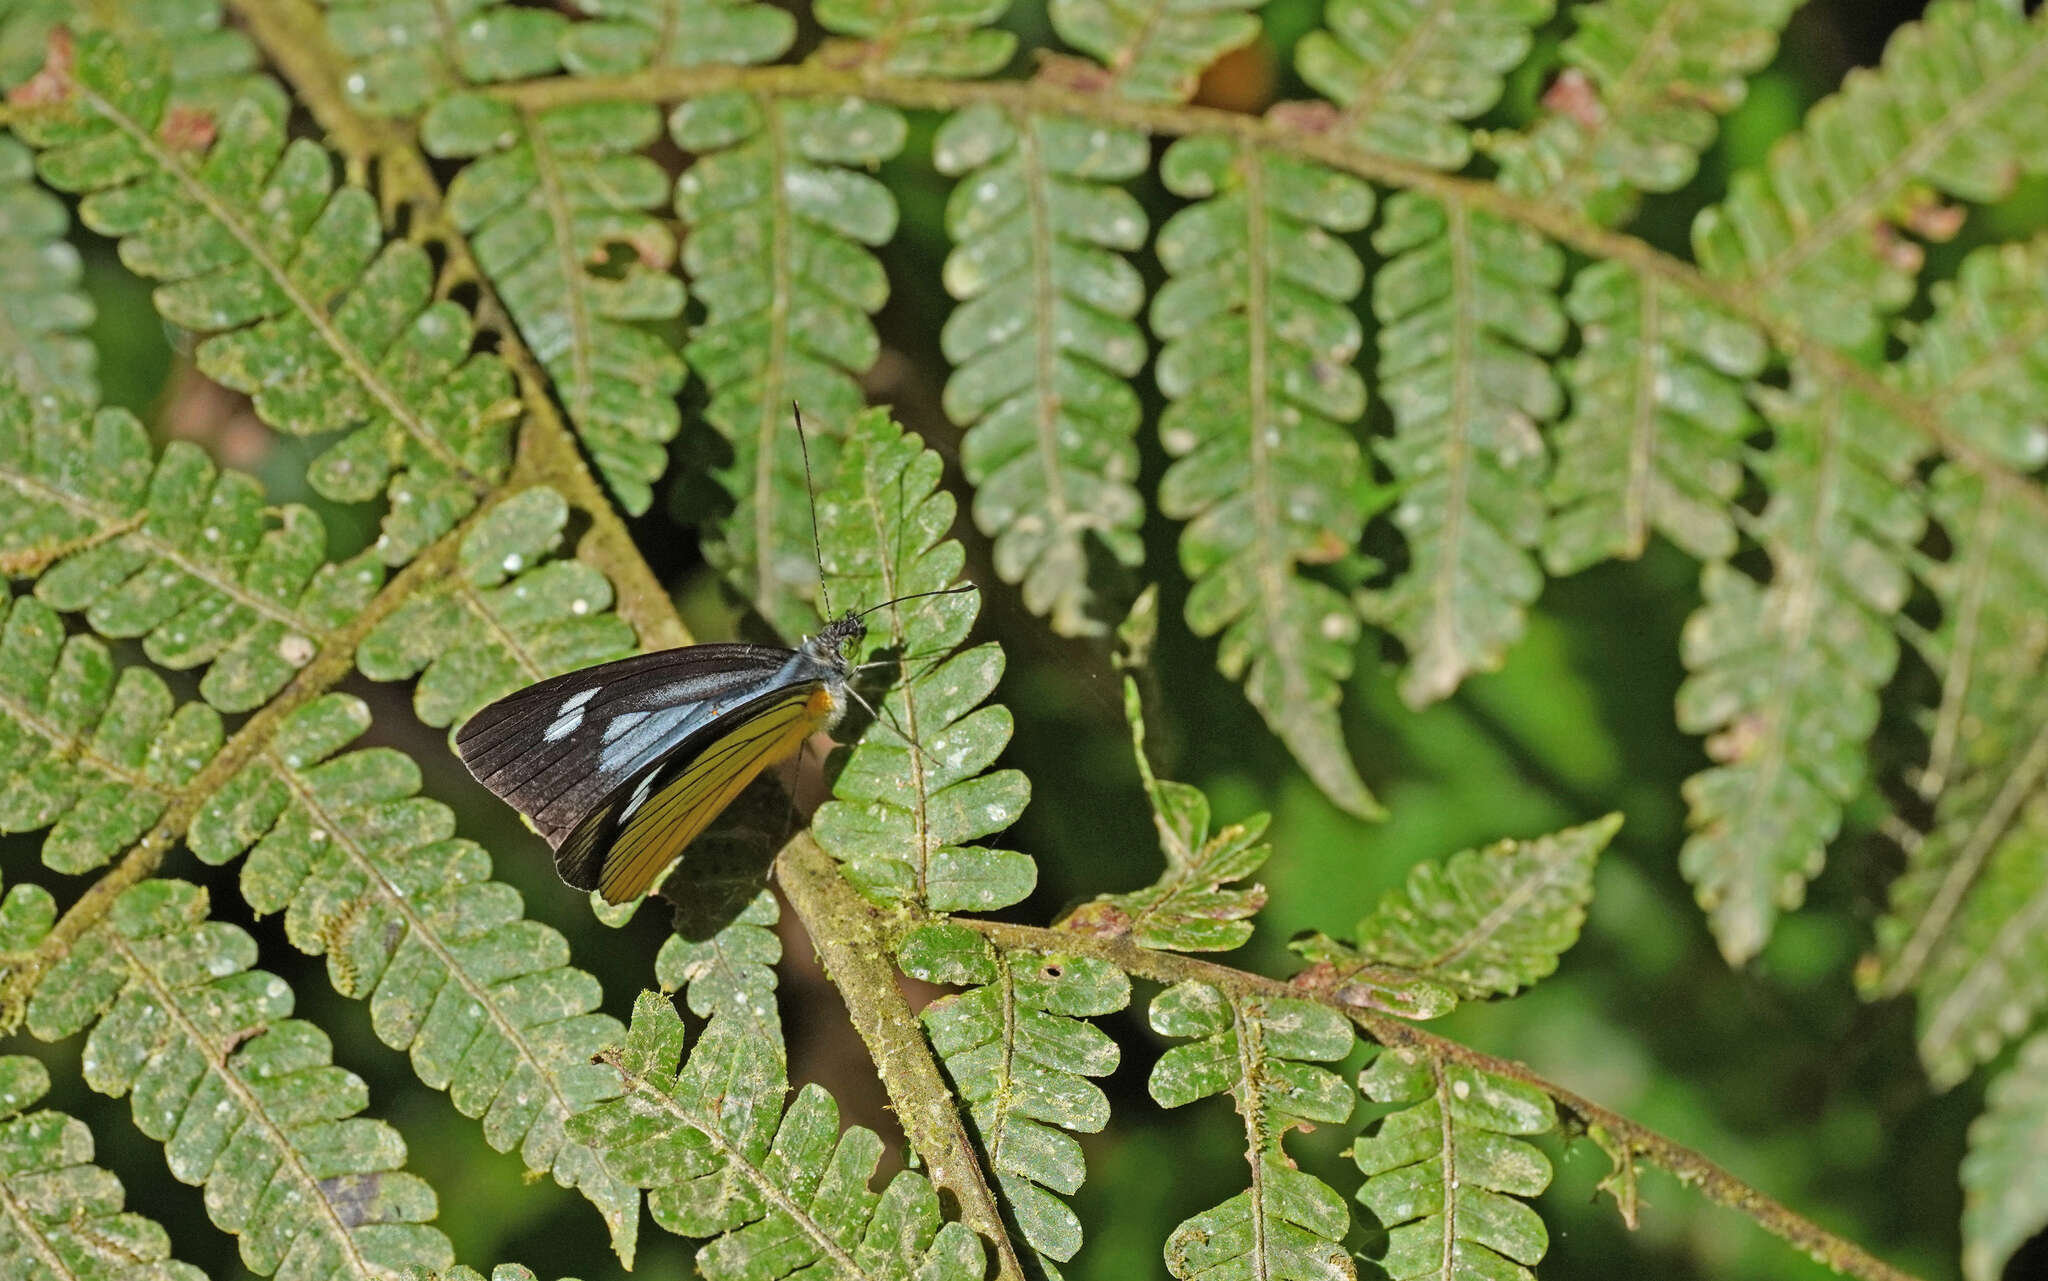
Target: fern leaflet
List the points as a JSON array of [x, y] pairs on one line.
[[777, 254], [244, 1097], [2004, 1200], [42, 308], [917, 787], [1259, 340], [1154, 50], [60, 1215], [1263, 1053], [1019, 1053], [556, 207], [1043, 345], [779, 1190], [1195, 905], [1443, 1171], [1468, 314]]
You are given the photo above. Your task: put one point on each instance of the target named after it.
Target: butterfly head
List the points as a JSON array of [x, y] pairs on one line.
[[829, 645]]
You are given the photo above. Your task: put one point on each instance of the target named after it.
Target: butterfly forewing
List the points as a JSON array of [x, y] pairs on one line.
[[558, 750]]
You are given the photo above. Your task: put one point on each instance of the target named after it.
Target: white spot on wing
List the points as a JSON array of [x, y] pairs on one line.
[[638, 798], [621, 723]]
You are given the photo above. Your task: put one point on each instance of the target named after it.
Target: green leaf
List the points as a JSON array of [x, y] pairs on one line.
[[1636, 103], [780, 225], [779, 1191], [1444, 1170], [1019, 1054], [1263, 1053], [1820, 236], [172, 550], [1407, 72], [732, 973], [939, 38], [404, 55], [627, 35], [1155, 50], [1189, 908], [211, 63], [91, 751], [370, 874], [1485, 922], [244, 1096], [1654, 439], [1468, 315], [1785, 675], [917, 788], [66, 1222], [2005, 1200], [514, 613], [306, 306], [1259, 342], [556, 205], [42, 308], [1043, 346]]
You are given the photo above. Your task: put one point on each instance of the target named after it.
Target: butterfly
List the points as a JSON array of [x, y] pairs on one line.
[[620, 766]]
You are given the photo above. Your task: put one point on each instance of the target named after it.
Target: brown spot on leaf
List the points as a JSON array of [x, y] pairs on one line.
[[1305, 117], [1100, 918], [1574, 96], [1078, 74], [188, 128], [53, 83]]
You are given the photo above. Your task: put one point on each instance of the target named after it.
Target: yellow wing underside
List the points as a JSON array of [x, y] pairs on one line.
[[677, 814]]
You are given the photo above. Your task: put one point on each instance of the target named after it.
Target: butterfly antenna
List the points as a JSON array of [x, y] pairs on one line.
[[894, 724], [943, 591], [811, 492]]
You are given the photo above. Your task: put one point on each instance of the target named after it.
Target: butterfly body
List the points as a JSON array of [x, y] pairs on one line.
[[622, 765]]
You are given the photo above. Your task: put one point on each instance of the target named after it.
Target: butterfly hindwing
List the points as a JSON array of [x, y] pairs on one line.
[[622, 846]]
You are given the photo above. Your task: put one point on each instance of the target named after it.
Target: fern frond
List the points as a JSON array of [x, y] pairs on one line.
[[1637, 102], [941, 38], [1784, 675], [1654, 439], [1407, 73], [1189, 908], [917, 787], [42, 308], [244, 1097], [1468, 314], [172, 550], [1962, 911], [1043, 346], [60, 1215], [96, 752], [779, 223], [371, 875], [780, 1190], [627, 35], [1443, 1172], [730, 975], [1259, 342], [2005, 1201], [1484, 922], [513, 612], [556, 207], [1820, 235], [329, 327], [403, 56], [1155, 50], [1263, 1053], [1019, 1054]]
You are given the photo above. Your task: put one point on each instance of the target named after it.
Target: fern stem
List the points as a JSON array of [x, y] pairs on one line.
[[1298, 135], [1714, 1183], [856, 941]]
